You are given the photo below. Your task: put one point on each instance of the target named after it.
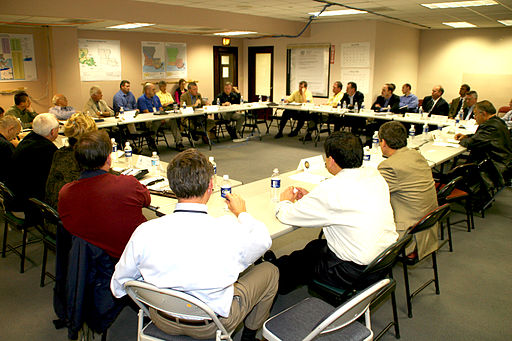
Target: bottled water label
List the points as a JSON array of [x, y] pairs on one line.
[[114, 148], [224, 191], [215, 170], [366, 156], [127, 153], [275, 183], [155, 163]]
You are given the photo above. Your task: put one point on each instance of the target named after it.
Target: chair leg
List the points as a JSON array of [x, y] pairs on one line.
[[468, 217], [407, 290], [442, 230], [23, 249], [449, 230], [395, 315], [436, 277], [470, 209], [43, 266], [4, 242]]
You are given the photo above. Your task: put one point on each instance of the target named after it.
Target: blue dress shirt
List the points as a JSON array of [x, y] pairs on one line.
[[127, 101], [411, 101], [146, 103]]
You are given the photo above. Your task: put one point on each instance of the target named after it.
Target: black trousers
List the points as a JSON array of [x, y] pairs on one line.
[[316, 261], [300, 116]]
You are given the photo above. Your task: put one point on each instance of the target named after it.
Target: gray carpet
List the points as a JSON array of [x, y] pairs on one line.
[[475, 279]]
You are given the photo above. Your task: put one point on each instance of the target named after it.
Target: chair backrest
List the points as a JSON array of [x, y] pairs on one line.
[[6, 194], [171, 302], [447, 190], [385, 261], [48, 214], [430, 219], [491, 175], [349, 311]]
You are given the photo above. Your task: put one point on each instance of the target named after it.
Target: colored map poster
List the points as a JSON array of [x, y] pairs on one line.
[[153, 60], [100, 60], [176, 66], [17, 59]]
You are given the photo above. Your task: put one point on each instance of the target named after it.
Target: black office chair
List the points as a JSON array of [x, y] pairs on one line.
[[425, 223], [18, 223], [445, 192], [380, 267], [49, 223]]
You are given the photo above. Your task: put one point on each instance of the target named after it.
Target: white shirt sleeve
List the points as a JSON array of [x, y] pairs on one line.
[[255, 241], [126, 270]]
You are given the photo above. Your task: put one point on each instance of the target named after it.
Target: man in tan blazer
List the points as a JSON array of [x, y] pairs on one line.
[[411, 186]]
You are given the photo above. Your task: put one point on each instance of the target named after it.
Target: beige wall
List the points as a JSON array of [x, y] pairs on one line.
[[480, 57]]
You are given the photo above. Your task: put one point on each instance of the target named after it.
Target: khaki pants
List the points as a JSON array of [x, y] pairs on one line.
[[253, 297], [235, 116]]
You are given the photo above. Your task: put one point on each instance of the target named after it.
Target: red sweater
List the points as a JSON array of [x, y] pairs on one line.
[[104, 210]]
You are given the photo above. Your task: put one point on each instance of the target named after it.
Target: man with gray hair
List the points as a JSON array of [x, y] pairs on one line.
[[61, 110], [96, 105], [469, 107], [31, 161], [10, 127]]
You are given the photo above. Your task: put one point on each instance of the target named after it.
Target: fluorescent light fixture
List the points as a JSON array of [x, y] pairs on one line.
[[130, 26], [507, 22], [457, 4], [234, 33], [338, 12], [459, 24]]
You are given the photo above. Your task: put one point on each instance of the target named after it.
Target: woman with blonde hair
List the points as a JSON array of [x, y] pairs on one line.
[[64, 166]]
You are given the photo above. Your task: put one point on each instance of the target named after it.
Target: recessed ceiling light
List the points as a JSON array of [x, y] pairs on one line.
[[507, 22], [130, 26], [456, 4], [234, 33], [338, 12], [459, 24]]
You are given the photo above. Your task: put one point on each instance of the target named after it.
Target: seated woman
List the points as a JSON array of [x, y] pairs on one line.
[[64, 166]]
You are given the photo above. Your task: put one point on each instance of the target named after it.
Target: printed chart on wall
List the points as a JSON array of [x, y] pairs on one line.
[[100, 60], [164, 60], [17, 59], [355, 65], [309, 63]]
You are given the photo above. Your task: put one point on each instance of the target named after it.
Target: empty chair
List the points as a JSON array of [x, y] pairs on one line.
[[313, 318], [428, 221], [173, 303]]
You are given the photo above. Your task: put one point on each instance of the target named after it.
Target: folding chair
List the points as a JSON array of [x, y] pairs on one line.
[[313, 318], [170, 302]]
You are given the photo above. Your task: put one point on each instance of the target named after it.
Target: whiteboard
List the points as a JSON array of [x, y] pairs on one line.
[[309, 63]]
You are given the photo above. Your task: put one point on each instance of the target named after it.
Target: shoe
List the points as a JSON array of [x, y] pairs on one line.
[[270, 257], [293, 133], [194, 136], [279, 135], [180, 147], [307, 137]]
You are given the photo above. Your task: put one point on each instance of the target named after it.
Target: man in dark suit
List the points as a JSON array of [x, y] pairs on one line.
[[387, 99], [491, 139], [469, 105], [31, 161], [435, 104], [458, 102], [352, 99]]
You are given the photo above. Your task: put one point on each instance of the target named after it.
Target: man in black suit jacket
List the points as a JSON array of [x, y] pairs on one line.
[[387, 99], [10, 127], [491, 139], [435, 104], [31, 161], [458, 102], [352, 99]]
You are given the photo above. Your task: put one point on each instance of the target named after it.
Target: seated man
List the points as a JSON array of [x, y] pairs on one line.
[[22, 109], [31, 161], [412, 189], [354, 210], [507, 117], [333, 101], [409, 101], [491, 139], [164, 96], [303, 95], [435, 104], [353, 100], [124, 98], [101, 208], [10, 127], [458, 102], [229, 96], [192, 98], [217, 250], [387, 101], [148, 102], [61, 110], [96, 106], [469, 105]]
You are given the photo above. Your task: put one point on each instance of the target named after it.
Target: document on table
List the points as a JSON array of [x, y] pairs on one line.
[[450, 143], [308, 177]]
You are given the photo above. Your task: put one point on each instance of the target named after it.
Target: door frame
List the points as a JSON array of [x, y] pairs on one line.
[[251, 68], [217, 50]]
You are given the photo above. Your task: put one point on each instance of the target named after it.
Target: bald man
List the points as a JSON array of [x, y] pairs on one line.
[[435, 104], [61, 110]]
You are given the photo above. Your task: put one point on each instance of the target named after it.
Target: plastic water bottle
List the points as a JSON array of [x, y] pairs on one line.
[[412, 132], [344, 105], [114, 149], [282, 101], [260, 99], [184, 106], [128, 154], [155, 164], [366, 154], [218, 101], [375, 142], [212, 161], [121, 112], [388, 108], [241, 99], [275, 185], [225, 188], [425, 131], [339, 106], [154, 109], [356, 106]]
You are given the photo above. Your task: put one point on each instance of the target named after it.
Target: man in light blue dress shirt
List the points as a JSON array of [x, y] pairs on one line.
[[124, 98], [408, 100]]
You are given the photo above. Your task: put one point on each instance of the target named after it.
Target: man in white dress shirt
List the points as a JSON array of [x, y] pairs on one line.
[[354, 210], [193, 252]]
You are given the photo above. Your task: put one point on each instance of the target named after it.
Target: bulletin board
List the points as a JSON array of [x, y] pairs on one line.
[[308, 63]]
